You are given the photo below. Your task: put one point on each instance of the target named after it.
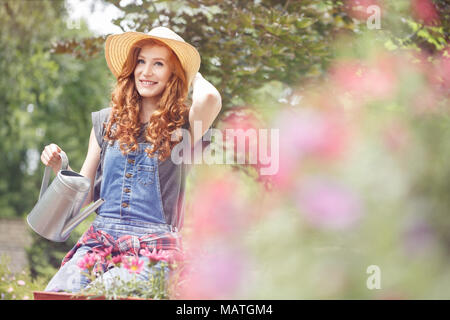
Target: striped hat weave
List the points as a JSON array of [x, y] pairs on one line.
[[117, 48]]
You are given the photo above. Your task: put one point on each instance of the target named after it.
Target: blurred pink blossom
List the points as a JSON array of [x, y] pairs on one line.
[[442, 71], [435, 70], [217, 209], [364, 81], [424, 10], [319, 135], [358, 9], [309, 133], [327, 204], [241, 118], [244, 120], [214, 275], [425, 101]]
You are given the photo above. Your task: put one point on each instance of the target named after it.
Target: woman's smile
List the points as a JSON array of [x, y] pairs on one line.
[[146, 83]]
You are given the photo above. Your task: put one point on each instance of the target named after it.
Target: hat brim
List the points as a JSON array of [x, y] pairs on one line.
[[117, 48]]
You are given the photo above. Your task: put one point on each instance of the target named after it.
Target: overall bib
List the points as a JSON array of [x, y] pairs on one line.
[[133, 207]]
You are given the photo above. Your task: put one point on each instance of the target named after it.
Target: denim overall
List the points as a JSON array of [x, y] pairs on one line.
[[133, 206]]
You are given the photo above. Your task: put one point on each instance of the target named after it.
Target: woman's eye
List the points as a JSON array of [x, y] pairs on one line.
[[142, 61]]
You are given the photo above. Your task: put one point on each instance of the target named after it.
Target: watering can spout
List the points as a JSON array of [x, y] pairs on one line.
[[77, 219]]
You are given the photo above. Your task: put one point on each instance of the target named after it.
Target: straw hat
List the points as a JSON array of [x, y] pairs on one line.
[[118, 46]]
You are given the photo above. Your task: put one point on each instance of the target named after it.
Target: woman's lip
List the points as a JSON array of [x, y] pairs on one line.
[[147, 85]]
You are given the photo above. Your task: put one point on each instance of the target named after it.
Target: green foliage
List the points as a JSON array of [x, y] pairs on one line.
[[246, 44], [242, 44], [17, 286], [403, 30], [46, 98]]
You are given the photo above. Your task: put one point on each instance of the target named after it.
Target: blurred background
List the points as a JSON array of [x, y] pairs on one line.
[[358, 91]]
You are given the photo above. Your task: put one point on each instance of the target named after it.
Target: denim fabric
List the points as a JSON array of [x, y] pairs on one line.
[[131, 190], [70, 278], [172, 177], [130, 186]]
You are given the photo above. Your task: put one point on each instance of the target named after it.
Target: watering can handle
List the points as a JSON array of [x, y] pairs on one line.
[[47, 173]]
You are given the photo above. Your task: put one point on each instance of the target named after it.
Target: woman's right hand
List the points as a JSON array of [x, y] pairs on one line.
[[50, 157]]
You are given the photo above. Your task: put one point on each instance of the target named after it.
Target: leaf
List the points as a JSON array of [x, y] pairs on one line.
[[304, 23]]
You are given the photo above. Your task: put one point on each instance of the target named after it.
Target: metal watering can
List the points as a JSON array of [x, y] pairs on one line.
[[57, 211]]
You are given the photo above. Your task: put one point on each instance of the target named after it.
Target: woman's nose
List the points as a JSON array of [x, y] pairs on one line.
[[148, 70]]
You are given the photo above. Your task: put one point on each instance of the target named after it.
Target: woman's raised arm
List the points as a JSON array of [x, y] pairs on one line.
[[206, 105]]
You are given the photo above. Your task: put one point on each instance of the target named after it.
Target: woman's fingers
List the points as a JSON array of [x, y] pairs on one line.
[[50, 156], [44, 159], [54, 156], [54, 149]]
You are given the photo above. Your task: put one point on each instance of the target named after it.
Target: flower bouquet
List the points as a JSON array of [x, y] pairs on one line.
[[130, 279]]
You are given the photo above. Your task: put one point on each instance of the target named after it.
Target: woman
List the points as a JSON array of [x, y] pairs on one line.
[[128, 159]]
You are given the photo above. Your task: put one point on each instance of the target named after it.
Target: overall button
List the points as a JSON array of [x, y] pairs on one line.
[[127, 190], [128, 175], [131, 161], [124, 205]]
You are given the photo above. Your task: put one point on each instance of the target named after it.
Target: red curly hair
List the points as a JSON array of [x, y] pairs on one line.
[[171, 114]]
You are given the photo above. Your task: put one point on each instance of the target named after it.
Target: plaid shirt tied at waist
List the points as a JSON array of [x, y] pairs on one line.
[[99, 240]]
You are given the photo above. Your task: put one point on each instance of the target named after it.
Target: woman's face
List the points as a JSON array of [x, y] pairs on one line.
[[152, 70]]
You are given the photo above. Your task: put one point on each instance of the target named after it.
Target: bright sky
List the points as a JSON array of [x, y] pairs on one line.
[[97, 15]]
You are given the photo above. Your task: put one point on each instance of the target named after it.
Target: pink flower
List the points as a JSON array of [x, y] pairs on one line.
[[425, 10], [133, 264], [117, 259], [104, 253], [88, 261], [21, 282], [214, 275], [155, 255], [309, 133], [240, 130], [218, 209], [358, 9], [328, 205], [440, 73], [365, 81]]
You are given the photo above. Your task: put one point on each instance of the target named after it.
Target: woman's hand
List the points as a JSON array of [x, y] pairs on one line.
[[51, 158]]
